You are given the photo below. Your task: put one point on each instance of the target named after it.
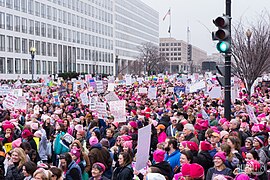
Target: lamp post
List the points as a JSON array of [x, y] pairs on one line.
[[116, 65], [32, 52], [248, 34]]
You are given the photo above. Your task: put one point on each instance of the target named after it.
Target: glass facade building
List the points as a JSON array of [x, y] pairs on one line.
[[69, 35]]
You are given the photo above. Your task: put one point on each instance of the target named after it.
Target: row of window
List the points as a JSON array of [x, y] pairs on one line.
[[22, 45], [169, 44], [52, 13], [24, 66], [170, 49]]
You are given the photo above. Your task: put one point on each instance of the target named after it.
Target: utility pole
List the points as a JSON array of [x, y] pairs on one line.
[[228, 54]]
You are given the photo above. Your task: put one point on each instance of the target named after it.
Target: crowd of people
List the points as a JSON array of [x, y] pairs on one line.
[[190, 137]]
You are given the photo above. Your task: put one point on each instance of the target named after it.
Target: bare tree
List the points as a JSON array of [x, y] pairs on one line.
[[150, 59], [251, 51]]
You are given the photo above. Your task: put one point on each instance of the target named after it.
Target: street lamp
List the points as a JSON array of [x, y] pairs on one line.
[[248, 34], [32, 52]]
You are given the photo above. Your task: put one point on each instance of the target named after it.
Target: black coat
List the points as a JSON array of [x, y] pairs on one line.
[[123, 173], [165, 169], [205, 160], [14, 173]]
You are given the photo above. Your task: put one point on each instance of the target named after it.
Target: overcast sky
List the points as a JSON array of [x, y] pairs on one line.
[[198, 15]]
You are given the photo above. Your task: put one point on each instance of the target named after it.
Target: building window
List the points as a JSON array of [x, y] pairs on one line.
[[2, 42], [44, 67], [31, 6], [2, 20], [37, 28], [69, 35], [24, 25], [9, 22], [24, 46], [31, 44], [37, 8], [59, 33], [9, 4], [49, 12], [64, 34], [17, 66], [38, 67], [54, 32], [17, 45], [9, 43], [37, 46], [17, 5], [43, 29], [59, 15], [31, 26], [25, 66], [54, 14], [49, 67], [78, 53], [10, 66], [2, 65], [43, 10], [54, 50], [17, 23], [43, 48], [49, 31], [30, 66], [49, 49], [2, 3], [54, 67], [24, 5]]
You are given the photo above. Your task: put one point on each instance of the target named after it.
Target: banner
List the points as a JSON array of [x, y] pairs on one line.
[[142, 90], [144, 139], [118, 110], [84, 98], [251, 114], [101, 109], [152, 92], [111, 97], [21, 103]]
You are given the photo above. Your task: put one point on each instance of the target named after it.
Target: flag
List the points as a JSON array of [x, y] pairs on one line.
[[169, 30], [168, 13]]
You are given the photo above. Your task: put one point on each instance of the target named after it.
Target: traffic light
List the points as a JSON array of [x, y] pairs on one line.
[[222, 34], [189, 52], [220, 77]]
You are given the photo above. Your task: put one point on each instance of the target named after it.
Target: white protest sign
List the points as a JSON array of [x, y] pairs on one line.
[[251, 114], [17, 92], [99, 85], [118, 110], [111, 97], [44, 91], [128, 80], [140, 80], [152, 92], [110, 86], [21, 103], [101, 109], [36, 109], [10, 101], [17, 84], [197, 86], [4, 90], [144, 139], [142, 90], [84, 98], [67, 140], [215, 92]]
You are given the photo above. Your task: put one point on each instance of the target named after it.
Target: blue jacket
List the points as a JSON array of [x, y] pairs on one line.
[[71, 166], [173, 159], [58, 147]]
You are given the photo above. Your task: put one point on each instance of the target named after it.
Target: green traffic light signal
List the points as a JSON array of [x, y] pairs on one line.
[[223, 46]]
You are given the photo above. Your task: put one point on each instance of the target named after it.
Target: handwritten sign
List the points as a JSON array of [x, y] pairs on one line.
[[101, 109], [251, 114], [152, 92], [118, 110], [99, 85], [67, 140], [84, 98]]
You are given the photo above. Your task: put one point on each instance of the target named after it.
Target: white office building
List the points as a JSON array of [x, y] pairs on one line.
[[69, 35]]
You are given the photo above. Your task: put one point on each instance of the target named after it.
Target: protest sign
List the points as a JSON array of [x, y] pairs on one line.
[[36, 109], [110, 86], [215, 92], [56, 98], [8, 147], [152, 92], [101, 109], [10, 101], [99, 85], [17, 84], [140, 80], [128, 80], [21, 103], [44, 91], [93, 101], [197, 86], [251, 114], [67, 140], [118, 110], [26, 95], [178, 89], [4, 90], [17, 92], [142, 90], [84, 98], [111, 97], [144, 139]]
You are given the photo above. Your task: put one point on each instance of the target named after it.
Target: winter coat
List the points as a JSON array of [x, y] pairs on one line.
[[165, 169], [14, 173], [97, 153], [123, 173], [74, 172], [205, 160], [173, 159], [58, 147], [212, 172]]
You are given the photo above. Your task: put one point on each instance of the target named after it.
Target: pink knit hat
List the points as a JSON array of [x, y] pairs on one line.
[[159, 155], [16, 143], [93, 140], [76, 152], [102, 166]]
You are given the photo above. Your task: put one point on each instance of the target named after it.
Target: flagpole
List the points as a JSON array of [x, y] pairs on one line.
[[170, 29]]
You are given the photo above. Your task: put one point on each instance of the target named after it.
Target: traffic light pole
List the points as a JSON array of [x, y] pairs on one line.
[[227, 98]]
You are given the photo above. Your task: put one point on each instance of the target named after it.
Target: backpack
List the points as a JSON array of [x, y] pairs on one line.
[[49, 149]]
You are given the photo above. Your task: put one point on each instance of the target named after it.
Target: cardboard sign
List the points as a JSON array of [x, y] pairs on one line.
[[170, 89], [101, 109], [251, 114], [144, 139], [84, 98], [152, 92], [142, 90], [111, 97], [118, 110]]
